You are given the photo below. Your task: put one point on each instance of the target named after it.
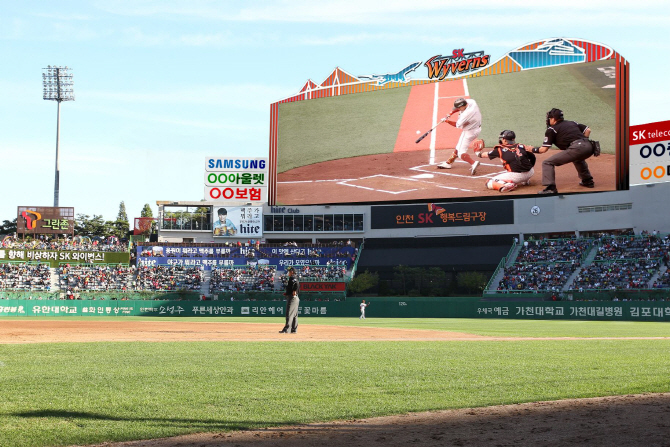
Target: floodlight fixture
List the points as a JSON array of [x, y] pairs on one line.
[[57, 85]]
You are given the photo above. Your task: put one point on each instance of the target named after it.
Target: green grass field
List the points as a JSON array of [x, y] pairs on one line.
[[339, 127], [368, 123], [82, 393], [520, 101]]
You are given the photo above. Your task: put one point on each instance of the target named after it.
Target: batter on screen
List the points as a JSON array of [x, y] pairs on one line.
[[470, 120]]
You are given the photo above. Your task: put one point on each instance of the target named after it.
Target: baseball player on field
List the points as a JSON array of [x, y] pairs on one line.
[[572, 139], [517, 159], [470, 120], [363, 306]]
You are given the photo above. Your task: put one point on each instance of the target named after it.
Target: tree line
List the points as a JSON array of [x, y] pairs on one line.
[[95, 225]]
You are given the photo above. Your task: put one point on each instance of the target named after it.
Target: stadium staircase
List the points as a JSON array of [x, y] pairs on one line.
[[55, 283], [657, 275], [588, 260], [494, 282], [511, 259], [204, 287]]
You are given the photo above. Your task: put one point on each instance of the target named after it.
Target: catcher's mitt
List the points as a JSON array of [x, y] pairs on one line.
[[478, 145]]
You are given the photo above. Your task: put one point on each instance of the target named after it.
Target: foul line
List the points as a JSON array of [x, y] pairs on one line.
[[433, 134]]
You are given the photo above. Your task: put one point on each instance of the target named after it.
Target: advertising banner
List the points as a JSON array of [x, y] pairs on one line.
[[306, 286], [55, 258], [230, 179], [44, 220], [443, 215], [387, 308], [209, 257], [650, 153], [239, 221]]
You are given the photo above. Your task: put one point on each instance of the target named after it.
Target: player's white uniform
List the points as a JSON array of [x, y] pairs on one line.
[[363, 306], [470, 120]]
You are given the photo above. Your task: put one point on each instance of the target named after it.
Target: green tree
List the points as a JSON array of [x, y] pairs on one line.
[[472, 281], [146, 211], [8, 227], [120, 226], [364, 281], [402, 276], [91, 226]]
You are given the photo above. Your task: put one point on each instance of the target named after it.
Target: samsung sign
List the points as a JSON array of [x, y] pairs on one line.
[[233, 180], [244, 164]]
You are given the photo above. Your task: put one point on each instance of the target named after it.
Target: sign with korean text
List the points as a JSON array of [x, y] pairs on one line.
[[44, 220], [55, 258], [236, 179], [395, 308], [238, 221], [650, 153], [307, 286], [443, 215]]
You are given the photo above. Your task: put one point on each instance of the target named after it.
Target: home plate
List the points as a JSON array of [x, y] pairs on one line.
[[423, 176]]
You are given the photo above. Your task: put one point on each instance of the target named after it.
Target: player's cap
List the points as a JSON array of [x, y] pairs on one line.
[[556, 114], [460, 102], [508, 135]]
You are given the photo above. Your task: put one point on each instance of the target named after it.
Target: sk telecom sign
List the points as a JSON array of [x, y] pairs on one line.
[[232, 179], [650, 153]]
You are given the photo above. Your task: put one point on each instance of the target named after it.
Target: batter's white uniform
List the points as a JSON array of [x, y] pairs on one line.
[[470, 120], [363, 306]]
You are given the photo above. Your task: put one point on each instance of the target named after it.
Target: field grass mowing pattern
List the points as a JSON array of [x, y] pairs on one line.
[[79, 393]]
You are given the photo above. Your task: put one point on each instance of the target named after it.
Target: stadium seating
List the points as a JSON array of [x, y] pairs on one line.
[[23, 276], [169, 277], [92, 277], [243, 279]]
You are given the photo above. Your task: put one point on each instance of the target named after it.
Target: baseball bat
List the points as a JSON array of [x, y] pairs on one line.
[[427, 133]]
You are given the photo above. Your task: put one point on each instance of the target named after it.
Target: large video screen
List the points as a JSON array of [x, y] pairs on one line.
[[362, 147]]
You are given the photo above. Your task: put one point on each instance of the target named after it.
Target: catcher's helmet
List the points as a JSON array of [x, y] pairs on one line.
[[460, 102], [508, 135]]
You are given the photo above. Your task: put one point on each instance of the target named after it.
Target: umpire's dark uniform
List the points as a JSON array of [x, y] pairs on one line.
[[572, 139], [292, 303]]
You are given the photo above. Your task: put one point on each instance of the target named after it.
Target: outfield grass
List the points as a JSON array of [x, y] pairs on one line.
[[339, 127], [80, 393], [368, 123], [520, 101]]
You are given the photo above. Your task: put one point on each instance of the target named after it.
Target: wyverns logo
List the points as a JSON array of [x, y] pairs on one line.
[[31, 223], [459, 63]]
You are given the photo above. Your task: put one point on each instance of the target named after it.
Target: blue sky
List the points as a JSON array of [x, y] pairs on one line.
[[160, 85]]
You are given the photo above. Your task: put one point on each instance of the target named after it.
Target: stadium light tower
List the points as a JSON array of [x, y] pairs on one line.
[[57, 86]]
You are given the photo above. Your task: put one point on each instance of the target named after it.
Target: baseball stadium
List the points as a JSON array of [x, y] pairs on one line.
[[432, 310]]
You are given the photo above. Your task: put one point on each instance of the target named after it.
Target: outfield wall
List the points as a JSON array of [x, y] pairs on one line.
[[388, 308]]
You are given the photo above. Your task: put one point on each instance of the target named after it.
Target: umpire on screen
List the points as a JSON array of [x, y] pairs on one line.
[[572, 139], [292, 303]]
